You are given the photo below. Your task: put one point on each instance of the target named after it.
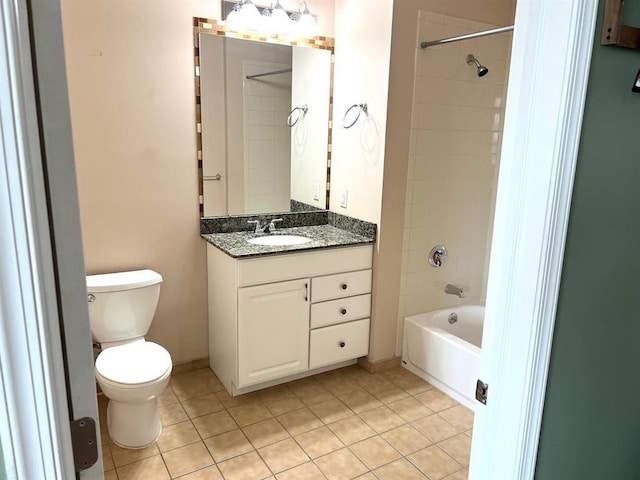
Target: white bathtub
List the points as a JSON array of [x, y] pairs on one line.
[[445, 354]]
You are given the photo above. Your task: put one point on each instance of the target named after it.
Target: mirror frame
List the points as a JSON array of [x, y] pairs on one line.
[[214, 27]]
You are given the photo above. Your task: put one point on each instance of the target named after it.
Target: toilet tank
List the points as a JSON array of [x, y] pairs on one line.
[[122, 305]]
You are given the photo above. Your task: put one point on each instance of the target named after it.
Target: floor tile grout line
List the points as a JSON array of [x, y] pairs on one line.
[[191, 443], [462, 467], [165, 464], [451, 457], [303, 449], [265, 463], [380, 466]]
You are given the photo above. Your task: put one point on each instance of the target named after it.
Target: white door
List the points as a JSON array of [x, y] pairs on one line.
[[550, 60], [273, 331], [46, 361]]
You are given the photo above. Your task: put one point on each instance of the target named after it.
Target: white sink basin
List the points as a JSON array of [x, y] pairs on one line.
[[279, 240]]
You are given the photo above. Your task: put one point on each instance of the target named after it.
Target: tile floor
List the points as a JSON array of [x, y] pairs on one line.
[[340, 425]]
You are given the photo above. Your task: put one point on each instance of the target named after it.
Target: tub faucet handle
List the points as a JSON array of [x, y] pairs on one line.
[[438, 256]]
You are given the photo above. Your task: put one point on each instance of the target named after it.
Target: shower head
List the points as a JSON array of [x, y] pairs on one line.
[[482, 70]]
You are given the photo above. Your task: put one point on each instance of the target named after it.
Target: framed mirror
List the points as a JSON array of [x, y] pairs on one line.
[[263, 121]]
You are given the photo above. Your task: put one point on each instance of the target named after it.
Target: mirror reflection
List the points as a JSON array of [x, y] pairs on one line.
[[264, 111]]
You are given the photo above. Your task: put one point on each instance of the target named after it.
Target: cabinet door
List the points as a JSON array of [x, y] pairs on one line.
[[273, 331]]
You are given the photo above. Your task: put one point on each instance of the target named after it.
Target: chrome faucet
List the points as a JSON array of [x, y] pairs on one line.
[[453, 290], [267, 227]]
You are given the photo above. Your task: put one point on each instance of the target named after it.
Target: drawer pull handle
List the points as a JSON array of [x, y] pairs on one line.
[[342, 344], [306, 292], [343, 311], [344, 286]]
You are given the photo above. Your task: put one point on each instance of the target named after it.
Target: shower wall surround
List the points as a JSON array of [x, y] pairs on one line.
[[454, 157]]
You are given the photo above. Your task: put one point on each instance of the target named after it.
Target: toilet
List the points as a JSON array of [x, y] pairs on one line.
[[130, 371]]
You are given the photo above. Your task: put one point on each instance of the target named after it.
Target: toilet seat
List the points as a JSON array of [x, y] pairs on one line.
[[133, 364]]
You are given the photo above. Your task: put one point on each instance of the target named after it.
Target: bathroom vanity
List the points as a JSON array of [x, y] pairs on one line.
[[280, 313]]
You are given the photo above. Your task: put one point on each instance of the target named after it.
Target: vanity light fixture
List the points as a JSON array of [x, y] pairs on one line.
[[245, 16]]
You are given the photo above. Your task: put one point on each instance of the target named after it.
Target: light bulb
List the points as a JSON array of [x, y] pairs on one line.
[[233, 18], [249, 16], [279, 21], [267, 27], [307, 26]]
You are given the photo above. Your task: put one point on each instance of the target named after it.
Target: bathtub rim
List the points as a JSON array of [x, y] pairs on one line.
[[412, 319]]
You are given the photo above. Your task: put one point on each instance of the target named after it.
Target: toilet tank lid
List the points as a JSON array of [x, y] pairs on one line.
[[111, 282]]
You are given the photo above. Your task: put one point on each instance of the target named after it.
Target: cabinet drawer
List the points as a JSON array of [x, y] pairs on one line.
[[340, 311], [338, 343], [340, 285]]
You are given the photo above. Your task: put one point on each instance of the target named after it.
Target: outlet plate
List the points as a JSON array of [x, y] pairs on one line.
[[316, 191], [344, 198]]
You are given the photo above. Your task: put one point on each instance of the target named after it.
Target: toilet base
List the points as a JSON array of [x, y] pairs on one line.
[[134, 425]]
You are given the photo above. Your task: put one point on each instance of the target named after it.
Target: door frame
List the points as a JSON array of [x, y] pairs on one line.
[[551, 55], [46, 359], [34, 420]]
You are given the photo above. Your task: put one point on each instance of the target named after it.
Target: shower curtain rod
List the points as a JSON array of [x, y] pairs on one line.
[[275, 72], [468, 36]]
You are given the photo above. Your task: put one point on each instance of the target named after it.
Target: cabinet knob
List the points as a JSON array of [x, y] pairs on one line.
[[342, 344], [344, 286], [343, 311]]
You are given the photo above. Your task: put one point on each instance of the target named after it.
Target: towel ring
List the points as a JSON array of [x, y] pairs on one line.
[[362, 108], [302, 111]]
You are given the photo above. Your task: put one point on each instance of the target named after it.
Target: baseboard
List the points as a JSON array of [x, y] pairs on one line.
[[190, 366], [252, 388], [379, 366]]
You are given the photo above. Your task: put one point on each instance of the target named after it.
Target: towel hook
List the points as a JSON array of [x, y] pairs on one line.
[[362, 107], [302, 111]]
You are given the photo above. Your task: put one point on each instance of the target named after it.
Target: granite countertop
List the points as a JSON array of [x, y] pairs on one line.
[[235, 244]]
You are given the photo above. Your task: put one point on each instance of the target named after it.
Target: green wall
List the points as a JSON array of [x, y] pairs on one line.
[[3, 472], [591, 419]]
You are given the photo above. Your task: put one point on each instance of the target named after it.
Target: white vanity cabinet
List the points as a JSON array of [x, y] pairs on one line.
[[279, 317]]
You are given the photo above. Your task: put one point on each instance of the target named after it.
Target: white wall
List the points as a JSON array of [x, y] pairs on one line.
[[362, 56], [454, 158], [131, 93], [309, 137]]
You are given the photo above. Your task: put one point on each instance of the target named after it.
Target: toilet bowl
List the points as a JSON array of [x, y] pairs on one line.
[[132, 376], [131, 371]]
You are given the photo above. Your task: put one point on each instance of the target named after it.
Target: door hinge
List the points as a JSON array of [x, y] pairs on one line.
[[482, 391], [85, 443]]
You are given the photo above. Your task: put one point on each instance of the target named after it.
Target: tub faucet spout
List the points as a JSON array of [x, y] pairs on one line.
[[453, 290]]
